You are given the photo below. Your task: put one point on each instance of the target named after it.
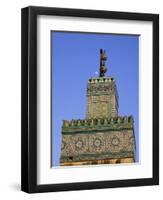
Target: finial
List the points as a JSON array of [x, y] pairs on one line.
[[103, 58]]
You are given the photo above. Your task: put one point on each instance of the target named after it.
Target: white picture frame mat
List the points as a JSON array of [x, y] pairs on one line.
[[45, 173]]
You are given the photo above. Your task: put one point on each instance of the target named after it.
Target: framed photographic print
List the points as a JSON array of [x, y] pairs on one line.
[[90, 99]]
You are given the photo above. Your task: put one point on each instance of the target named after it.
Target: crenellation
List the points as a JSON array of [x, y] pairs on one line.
[[97, 121]]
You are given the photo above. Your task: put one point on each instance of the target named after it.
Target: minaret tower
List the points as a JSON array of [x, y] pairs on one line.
[[102, 96], [103, 137]]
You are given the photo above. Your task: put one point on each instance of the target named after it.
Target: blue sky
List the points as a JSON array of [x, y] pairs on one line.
[[75, 59]]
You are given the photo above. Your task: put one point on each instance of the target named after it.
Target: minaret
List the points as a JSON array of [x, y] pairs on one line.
[[102, 96], [103, 137]]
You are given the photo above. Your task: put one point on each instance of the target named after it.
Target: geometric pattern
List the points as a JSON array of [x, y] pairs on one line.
[[97, 143]]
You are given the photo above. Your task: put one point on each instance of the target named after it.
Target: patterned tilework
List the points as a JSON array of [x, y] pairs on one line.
[[90, 145]]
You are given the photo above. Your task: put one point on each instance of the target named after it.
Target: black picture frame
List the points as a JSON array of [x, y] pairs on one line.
[[29, 99]]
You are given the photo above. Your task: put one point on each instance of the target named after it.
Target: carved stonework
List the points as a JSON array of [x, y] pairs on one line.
[[91, 139], [89, 145]]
